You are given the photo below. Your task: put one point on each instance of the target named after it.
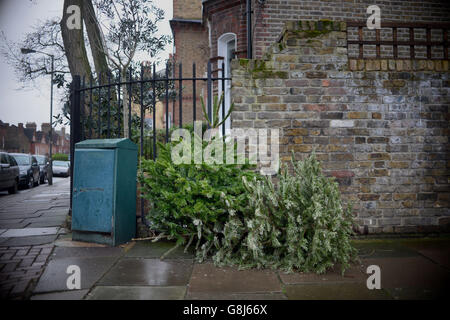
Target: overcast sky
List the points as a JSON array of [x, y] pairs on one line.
[[32, 104]]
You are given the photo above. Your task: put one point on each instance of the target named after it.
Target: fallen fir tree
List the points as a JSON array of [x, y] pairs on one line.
[[237, 217]]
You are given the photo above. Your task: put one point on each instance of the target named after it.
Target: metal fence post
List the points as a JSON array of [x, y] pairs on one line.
[[141, 138], [75, 132], [209, 88], [223, 98]]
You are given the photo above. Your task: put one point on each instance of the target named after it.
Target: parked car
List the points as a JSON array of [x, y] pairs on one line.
[[61, 168], [29, 169], [43, 167], [9, 173]]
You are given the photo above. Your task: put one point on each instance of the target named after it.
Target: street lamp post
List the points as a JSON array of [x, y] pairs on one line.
[[50, 176], [50, 169]]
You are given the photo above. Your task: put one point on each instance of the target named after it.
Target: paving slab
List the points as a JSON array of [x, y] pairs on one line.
[[382, 249], [9, 221], [415, 294], [68, 242], [28, 241], [208, 278], [437, 250], [411, 272], [148, 272], [50, 214], [46, 224], [13, 224], [236, 296], [21, 215], [46, 195], [14, 233], [50, 196], [63, 231], [83, 252], [137, 293], [353, 274], [55, 276], [28, 208], [56, 219], [439, 256], [334, 291], [65, 295], [148, 249]]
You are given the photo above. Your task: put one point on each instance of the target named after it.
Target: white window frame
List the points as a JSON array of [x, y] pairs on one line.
[[222, 51]]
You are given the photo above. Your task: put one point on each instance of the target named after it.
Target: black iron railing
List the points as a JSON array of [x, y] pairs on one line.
[[96, 105]]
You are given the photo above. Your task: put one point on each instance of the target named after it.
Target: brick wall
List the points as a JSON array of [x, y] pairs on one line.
[[13, 139], [269, 19], [187, 9], [380, 127], [227, 17], [191, 42]]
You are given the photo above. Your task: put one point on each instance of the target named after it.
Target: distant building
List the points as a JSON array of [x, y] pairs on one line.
[[28, 140], [190, 45], [160, 102]]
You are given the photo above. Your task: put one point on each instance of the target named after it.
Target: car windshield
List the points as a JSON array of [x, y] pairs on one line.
[[60, 164], [22, 160], [40, 159]]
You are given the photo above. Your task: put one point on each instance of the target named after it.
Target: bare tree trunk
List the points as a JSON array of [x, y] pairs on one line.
[[98, 46], [96, 42], [74, 47]]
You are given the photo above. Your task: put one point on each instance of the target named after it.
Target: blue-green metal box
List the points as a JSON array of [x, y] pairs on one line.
[[104, 191]]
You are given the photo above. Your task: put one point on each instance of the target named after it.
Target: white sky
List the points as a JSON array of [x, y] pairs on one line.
[[32, 104]]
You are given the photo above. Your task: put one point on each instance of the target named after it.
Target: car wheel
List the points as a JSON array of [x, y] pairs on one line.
[[42, 179], [14, 188], [30, 182]]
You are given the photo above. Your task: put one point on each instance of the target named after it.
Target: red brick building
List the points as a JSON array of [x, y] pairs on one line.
[[28, 140], [372, 103], [208, 30], [13, 138], [190, 46]]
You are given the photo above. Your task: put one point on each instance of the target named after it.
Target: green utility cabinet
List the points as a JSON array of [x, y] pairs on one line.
[[104, 191]]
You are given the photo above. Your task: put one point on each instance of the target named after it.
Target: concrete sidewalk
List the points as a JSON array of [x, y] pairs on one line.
[[410, 269], [30, 221], [35, 252]]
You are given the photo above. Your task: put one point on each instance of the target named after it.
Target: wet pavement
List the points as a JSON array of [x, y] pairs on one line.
[[134, 271], [35, 253], [30, 221]]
